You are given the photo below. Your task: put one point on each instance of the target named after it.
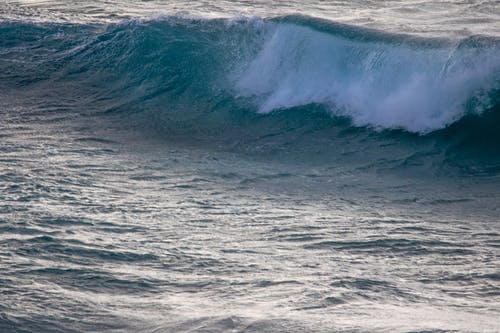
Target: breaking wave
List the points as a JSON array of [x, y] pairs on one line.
[[188, 68]]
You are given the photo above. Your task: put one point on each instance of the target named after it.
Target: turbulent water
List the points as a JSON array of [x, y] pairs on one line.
[[249, 166]]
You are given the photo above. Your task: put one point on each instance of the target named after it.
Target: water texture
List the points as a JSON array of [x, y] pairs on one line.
[[249, 166]]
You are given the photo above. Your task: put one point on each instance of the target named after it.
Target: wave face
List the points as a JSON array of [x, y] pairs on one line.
[[189, 69]]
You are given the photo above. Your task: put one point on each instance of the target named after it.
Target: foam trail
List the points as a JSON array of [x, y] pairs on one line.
[[377, 83]]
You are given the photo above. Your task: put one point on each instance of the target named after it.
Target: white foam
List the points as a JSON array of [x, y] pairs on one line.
[[375, 83]]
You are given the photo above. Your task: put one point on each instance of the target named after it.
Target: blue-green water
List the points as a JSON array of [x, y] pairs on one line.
[[249, 167]]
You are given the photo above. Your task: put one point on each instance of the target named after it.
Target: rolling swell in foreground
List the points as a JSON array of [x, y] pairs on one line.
[[247, 79]]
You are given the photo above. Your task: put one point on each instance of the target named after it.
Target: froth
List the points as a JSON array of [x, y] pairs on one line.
[[382, 84]]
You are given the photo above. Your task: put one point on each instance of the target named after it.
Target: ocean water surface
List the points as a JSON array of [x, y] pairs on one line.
[[249, 166]]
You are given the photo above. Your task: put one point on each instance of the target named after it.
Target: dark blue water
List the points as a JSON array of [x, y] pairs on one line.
[[281, 174]]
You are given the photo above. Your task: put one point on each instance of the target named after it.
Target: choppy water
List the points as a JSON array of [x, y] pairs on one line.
[[249, 166]]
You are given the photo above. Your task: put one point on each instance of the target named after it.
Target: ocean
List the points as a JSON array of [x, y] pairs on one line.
[[249, 166]]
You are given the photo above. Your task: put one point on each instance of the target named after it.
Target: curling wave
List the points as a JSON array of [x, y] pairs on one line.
[[187, 67]]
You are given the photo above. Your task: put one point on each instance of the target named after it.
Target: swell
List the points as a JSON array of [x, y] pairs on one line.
[[256, 76]]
